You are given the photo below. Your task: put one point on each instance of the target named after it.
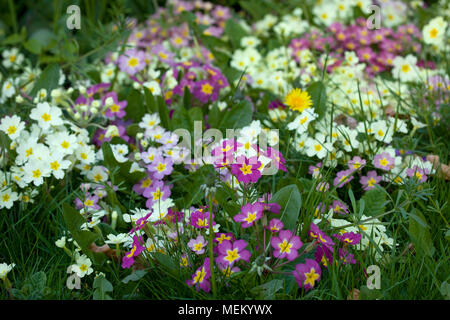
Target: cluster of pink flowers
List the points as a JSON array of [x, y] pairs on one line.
[[203, 81], [376, 48]]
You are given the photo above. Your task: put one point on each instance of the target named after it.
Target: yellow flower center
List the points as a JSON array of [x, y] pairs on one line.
[[6, 197], [199, 276], [232, 255], [37, 173], [54, 165], [285, 246], [46, 117], [207, 88], [311, 277], [160, 167], [433, 33], [133, 62], [250, 217], [12, 130], [246, 169]]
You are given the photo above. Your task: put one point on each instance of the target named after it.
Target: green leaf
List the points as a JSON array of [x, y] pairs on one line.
[[369, 294], [14, 39], [185, 118], [33, 46], [150, 102], [135, 108], [108, 157], [254, 8], [234, 32], [187, 98], [290, 201], [43, 37], [267, 290], [239, 116], [318, 95], [102, 286], [135, 276], [47, 80], [445, 290], [420, 236], [374, 201], [72, 217], [84, 238], [163, 113], [38, 281], [165, 260]]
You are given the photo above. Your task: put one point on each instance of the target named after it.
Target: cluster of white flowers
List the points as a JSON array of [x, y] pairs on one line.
[[48, 147]]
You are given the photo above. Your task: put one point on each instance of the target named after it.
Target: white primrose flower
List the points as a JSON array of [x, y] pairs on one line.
[[7, 198], [46, 115], [82, 266], [12, 126]]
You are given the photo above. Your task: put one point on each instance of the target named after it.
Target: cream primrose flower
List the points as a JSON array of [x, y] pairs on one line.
[[12, 126], [405, 68], [46, 115], [82, 266], [5, 269], [7, 198], [12, 58]]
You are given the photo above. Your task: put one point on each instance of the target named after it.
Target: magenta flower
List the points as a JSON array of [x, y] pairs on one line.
[[144, 186], [228, 270], [198, 245], [348, 237], [384, 161], [161, 167], [163, 54], [320, 209], [138, 247], [323, 255], [117, 109], [418, 173], [339, 207], [346, 257], [323, 186], [90, 203], [157, 192], [246, 170], [271, 207], [200, 278], [307, 274], [320, 236], [356, 163], [224, 154], [343, 177], [205, 91], [249, 214], [275, 225], [368, 182], [184, 261], [315, 170], [151, 154], [132, 61], [232, 252], [200, 219], [220, 237], [286, 245], [276, 156]]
